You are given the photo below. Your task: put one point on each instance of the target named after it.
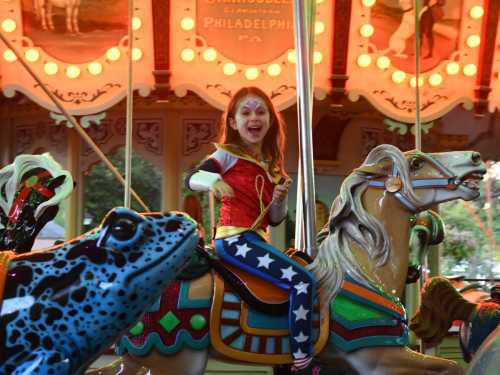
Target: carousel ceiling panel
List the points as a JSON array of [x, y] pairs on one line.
[[381, 58], [219, 46], [79, 51]]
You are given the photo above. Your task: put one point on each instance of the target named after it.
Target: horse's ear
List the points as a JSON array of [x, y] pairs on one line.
[[56, 182], [379, 169]]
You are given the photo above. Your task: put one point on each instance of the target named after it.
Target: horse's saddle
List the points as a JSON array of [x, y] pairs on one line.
[[249, 316]]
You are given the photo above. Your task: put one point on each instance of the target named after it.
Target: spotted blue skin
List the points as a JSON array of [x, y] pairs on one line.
[[64, 306]]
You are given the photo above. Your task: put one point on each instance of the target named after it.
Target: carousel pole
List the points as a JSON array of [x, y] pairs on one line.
[[418, 44], [305, 238], [71, 120], [130, 107]]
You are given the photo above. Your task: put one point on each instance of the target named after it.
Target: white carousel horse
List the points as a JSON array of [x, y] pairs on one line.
[[43, 11], [361, 269]]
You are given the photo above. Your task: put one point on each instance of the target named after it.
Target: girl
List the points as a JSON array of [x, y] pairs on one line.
[[246, 171]]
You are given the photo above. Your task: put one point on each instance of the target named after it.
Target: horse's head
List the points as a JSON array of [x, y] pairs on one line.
[[420, 180], [30, 192]]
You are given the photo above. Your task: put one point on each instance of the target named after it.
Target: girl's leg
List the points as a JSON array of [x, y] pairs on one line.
[[251, 253]]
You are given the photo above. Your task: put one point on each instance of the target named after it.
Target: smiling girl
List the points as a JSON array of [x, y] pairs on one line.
[[246, 171]]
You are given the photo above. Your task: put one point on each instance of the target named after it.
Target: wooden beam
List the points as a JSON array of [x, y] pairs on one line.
[[161, 37], [486, 53]]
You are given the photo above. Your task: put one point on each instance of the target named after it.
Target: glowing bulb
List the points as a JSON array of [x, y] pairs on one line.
[[210, 54], [187, 24], [369, 3], [364, 60], [292, 56], [9, 56], [317, 57], [73, 71], [319, 27], [95, 68], [470, 70], [452, 68], [187, 55], [229, 69], [435, 79], [136, 54], [476, 12], [50, 68], [498, 75], [383, 62], [398, 76], [473, 40], [413, 81], [9, 25], [136, 23], [319, 1], [32, 55], [252, 73], [274, 70], [366, 30], [113, 53]]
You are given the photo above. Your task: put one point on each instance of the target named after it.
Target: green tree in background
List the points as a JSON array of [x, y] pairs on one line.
[[471, 245], [103, 191]]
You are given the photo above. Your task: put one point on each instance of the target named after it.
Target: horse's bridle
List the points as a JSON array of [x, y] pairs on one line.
[[393, 183]]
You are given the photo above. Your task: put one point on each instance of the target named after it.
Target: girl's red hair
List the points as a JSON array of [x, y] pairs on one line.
[[273, 146]]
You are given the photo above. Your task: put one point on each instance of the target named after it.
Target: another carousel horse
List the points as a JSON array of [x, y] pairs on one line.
[[441, 304], [64, 305], [31, 189], [43, 11], [361, 269]]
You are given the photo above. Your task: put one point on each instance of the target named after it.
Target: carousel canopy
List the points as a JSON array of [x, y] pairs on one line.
[[362, 48]]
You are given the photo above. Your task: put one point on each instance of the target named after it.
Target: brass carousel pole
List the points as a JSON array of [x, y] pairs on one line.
[[71, 120], [304, 13], [130, 107]]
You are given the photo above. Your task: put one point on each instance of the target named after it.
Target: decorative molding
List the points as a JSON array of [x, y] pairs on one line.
[[161, 37], [196, 133], [85, 121], [82, 97], [341, 21], [408, 106], [147, 132]]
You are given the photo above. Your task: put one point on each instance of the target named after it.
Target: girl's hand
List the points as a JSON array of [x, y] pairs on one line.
[[222, 189], [280, 192]]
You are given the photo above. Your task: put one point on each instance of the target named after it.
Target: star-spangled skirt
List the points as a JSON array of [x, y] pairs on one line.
[[251, 253]]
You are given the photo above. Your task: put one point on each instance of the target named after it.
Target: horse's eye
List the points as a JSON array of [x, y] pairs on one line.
[[416, 164], [123, 229]]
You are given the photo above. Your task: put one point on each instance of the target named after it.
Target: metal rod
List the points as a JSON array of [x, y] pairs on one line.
[[71, 119], [418, 46], [130, 106], [304, 22]]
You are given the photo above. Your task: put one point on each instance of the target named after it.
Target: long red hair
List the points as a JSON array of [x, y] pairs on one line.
[[273, 146]]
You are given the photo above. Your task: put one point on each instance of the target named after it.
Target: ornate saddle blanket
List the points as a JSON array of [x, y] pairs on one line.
[[363, 316], [241, 332], [175, 321]]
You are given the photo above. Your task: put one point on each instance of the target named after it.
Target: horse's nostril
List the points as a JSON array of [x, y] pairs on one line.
[[476, 158]]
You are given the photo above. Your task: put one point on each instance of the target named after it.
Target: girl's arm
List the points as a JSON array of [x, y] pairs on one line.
[[279, 208], [209, 172]]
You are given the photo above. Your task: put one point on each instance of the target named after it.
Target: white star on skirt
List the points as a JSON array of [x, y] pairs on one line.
[[299, 354], [300, 313], [265, 261]]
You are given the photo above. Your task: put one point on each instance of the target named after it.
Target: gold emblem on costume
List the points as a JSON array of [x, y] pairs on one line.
[[393, 184]]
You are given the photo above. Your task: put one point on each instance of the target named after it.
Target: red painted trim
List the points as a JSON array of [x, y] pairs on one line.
[[161, 37], [341, 26], [366, 331], [486, 52]]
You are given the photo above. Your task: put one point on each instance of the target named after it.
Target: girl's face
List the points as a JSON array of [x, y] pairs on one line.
[[251, 120]]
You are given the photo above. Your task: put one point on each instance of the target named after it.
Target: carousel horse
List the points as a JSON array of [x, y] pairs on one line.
[[441, 305], [361, 269], [31, 189], [64, 305]]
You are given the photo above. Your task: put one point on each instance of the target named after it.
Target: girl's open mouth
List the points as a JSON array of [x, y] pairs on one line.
[[254, 129]]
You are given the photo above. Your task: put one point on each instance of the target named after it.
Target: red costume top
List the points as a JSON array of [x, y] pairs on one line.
[[252, 184]]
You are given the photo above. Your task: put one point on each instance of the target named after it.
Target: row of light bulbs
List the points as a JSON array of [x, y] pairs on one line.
[[51, 68]]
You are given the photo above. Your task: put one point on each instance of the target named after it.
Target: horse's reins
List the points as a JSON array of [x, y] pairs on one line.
[[393, 184]]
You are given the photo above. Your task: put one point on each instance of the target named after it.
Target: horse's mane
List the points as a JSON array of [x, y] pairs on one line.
[[12, 174], [350, 222]]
